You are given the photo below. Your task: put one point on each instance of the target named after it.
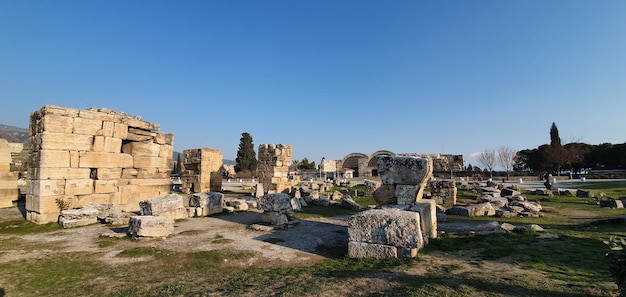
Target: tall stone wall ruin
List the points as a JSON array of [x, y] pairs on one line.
[[202, 170], [274, 161], [94, 155], [8, 180]]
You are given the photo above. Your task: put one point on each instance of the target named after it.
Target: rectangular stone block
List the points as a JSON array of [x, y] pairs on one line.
[[44, 204], [59, 173], [129, 173], [58, 123], [153, 173], [63, 141], [41, 218], [74, 158], [87, 126], [150, 226], [79, 186], [403, 170], [171, 206], [105, 160], [105, 186], [120, 131], [150, 162], [389, 226], [108, 173], [83, 200], [164, 138], [407, 194], [362, 250], [136, 122], [108, 128], [428, 215], [48, 187], [149, 149], [107, 144], [50, 158]]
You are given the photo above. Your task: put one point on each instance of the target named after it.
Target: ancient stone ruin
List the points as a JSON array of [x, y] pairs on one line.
[[94, 155], [202, 170], [443, 191], [274, 161], [8, 180], [404, 221]]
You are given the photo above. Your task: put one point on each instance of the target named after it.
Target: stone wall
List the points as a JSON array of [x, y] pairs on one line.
[[94, 155], [443, 191], [8, 180], [274, 161], [202, 170]]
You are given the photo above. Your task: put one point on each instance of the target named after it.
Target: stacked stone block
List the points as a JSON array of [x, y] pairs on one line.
[[405, 222], [8, 180], [274, 161], [443, 191], [206, 203], [94, 155], [202, 170]]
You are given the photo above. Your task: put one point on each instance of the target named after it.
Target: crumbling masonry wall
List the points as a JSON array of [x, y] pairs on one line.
[[443, 191], [274, 161], [202, 168], [94, 155], [8, 180]]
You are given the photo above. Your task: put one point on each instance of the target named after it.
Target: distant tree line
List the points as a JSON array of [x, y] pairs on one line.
[[574, 157]]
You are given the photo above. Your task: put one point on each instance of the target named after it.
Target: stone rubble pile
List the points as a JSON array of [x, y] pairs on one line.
[[278, 209], [506, 202]]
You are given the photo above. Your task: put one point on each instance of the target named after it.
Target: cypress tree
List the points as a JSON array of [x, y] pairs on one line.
[[246, 157]]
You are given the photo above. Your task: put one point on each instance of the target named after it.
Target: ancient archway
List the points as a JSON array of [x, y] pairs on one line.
[[372, 168], [354, 161]]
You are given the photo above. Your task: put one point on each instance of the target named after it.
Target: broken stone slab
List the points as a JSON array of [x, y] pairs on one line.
[[611, 203], [428, 216], [496, 201], [275, 202], [509, 192], [77, 221], [150, 226], [275, 218], [210, 202], [320, 202], [238, 204], [263, 228], [393, 227], [407, 194], [480, 209], [385, 195], [403, 170], [170, 206]]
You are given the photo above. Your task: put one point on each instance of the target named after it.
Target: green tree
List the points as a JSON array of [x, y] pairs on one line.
[[246, 157], [178, 167], [304, 164], [557, 154]]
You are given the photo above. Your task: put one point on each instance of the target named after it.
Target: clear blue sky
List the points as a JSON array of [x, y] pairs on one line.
[[328, 77]]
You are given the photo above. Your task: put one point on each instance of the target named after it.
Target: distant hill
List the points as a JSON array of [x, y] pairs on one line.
[[225, 161], [13, 134]]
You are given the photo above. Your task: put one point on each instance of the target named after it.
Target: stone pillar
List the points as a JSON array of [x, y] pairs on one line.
[[8, 180], [94, 155], [274, 161], [202, 168]]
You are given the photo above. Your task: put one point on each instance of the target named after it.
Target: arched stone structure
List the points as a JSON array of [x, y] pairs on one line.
[[372, 167], [355, 162]]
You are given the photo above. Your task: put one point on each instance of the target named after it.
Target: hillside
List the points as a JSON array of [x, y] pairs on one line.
[[13, 134]]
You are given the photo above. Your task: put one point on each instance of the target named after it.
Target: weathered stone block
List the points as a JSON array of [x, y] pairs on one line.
[[387, 226], [48, 187], [142, 149], [164, 138], [104, 160], [120, 130], [50, 158], [105, 186], [150, 226], [371, 250], [407, 194], [275, 202], [108, 173], [87, 126], [151, 162], [402, 170], [170, 206], [79, 187], [385, 195], [211, 202], [428, 216]]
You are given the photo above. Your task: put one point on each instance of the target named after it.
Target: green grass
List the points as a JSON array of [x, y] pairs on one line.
[[22, 227]]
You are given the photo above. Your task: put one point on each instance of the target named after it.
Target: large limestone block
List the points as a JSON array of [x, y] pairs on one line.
[[79, 186], [58, 173], [120, 130], [385, 195], [104, 160], [275, 202], [166, 151], [212, 202], [105, 186], [428, 214], [371, 250], [58, 123], [87, 126], [108, 173], [403, 170], [50, 158], [44, 204], [394, 227], [152, 162], [164, 138], [48, 187], [142, 149], [151, 173], [150, 226], [171, 206], [107, 144]]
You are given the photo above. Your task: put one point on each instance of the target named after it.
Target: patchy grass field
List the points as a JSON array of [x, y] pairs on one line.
[[43, 260]]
